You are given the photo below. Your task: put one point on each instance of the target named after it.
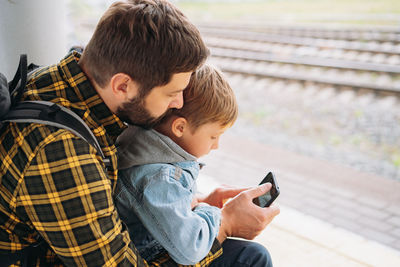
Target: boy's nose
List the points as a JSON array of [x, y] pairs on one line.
[[216, 144]]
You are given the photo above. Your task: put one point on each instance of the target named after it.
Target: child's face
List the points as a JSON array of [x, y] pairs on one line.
[[204, 139]]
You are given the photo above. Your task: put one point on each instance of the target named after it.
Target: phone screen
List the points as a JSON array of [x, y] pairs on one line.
[[269, 197]]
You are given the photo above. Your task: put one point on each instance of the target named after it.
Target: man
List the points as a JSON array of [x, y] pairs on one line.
[[55, 189]]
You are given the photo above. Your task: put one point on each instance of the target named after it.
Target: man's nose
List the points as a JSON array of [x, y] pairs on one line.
[[177, 102]]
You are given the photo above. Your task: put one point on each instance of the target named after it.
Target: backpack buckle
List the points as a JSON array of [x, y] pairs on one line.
[[50, 111]]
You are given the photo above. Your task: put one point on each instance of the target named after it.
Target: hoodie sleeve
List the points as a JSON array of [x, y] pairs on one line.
[[163, 204]]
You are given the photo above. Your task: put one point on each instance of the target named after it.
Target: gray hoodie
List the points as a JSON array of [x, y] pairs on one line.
[[154, 197], [138, 146]]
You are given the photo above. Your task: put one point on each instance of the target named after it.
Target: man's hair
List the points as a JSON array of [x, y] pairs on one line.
[[208, 98], [150, 40]]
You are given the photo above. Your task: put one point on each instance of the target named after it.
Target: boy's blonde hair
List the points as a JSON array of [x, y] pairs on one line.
[[208, 98]]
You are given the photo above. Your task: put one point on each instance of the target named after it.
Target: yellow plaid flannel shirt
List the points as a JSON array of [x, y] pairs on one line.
[[54, 184]]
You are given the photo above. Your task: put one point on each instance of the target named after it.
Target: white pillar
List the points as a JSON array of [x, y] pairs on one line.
[[38, 28]]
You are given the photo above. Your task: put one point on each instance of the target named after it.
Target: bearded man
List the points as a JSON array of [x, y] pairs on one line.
[[56, 193]]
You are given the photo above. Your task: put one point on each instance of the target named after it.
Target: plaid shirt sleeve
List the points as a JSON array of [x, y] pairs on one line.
[[68, 199]]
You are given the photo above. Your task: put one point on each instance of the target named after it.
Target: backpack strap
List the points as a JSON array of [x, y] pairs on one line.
[[18, 83], [49, 113], [11, 92]]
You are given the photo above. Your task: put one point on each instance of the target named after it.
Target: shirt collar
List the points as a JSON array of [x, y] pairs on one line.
[[83, 92]]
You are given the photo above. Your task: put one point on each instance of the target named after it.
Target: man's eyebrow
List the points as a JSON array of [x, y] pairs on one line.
[[177, 90]]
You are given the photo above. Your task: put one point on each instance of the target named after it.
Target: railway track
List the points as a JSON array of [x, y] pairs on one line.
[[334, 73], [364, 34], [236, 51], [386, 48], [291, 50]]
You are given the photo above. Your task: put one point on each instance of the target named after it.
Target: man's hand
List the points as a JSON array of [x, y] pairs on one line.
[[242, 218], [220, 195]]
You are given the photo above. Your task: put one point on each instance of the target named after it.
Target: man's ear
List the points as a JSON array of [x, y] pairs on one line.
[[123, 87], [179, 126]]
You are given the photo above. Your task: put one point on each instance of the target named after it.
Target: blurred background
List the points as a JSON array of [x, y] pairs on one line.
[[318, 86]]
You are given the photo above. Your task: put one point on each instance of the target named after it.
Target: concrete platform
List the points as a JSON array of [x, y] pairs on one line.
[[296, 239], [331, 215]]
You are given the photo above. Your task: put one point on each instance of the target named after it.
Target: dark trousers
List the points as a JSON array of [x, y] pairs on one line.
[[238, 253]]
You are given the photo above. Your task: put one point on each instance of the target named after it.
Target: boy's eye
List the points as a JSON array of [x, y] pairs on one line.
[[213, 137]]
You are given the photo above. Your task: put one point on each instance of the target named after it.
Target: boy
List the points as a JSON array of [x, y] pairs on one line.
[[160, 167], [158, 171]]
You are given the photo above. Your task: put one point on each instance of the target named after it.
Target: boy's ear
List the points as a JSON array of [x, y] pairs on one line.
[[179, 126], [123, 87]]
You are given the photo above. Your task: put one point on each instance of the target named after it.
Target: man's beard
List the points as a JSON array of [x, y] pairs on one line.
[[134, 112]]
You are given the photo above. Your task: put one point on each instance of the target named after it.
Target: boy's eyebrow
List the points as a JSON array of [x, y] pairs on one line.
[[221, 131]]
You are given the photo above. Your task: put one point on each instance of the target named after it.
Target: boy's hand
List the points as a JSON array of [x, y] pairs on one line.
[[195, 202], [220, 195], [242, 218]]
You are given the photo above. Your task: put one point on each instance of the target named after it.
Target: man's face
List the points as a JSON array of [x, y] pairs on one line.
[[150, 109]]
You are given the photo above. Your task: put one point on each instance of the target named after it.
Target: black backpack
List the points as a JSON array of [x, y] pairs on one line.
[[44, 112]]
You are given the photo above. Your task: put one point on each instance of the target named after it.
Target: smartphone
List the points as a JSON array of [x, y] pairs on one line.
[[269, 197]]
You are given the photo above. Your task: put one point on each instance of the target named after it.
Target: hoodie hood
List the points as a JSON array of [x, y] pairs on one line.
[[138, 146]]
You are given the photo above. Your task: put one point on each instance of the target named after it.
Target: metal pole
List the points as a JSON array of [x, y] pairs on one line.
[[37, 28]]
